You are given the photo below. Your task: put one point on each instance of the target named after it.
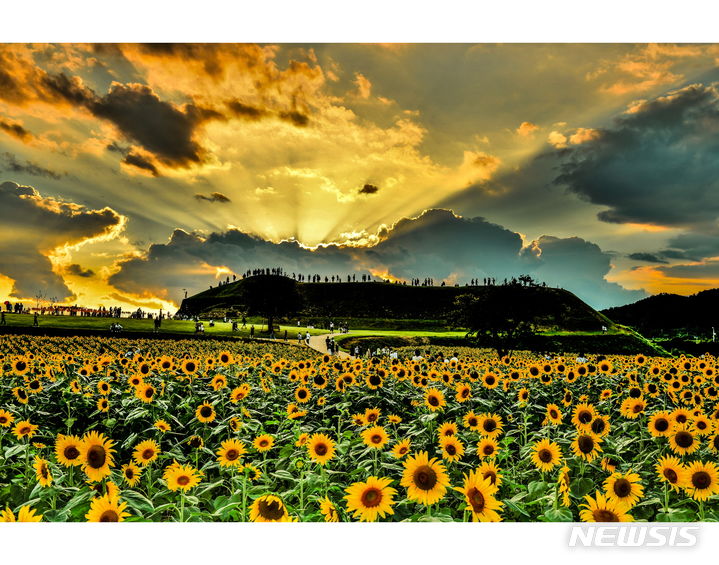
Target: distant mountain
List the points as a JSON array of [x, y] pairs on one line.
[[670, 314]]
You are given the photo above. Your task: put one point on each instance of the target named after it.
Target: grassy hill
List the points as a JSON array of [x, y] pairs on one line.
[[388, 305], [671, 315]]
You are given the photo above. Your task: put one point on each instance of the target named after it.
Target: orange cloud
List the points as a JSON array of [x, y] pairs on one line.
[[526, 129]]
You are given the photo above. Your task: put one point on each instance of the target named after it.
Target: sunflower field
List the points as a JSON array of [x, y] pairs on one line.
[[105, 429]]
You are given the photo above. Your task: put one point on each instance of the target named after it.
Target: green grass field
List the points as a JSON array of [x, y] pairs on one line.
[[131, 325]]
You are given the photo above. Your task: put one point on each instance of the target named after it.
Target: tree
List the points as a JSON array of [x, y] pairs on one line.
[[502, 317], [270, 296]]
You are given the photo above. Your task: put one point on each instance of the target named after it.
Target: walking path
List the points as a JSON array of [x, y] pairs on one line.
[[317, 342]]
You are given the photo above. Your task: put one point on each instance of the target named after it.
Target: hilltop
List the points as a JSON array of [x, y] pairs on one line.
[[367, 302]]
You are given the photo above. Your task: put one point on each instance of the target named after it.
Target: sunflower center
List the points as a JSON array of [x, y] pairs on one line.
[[661, 425], [585, 416], [684, 439], [272, 510], [622, 488], [148, 453], [321, 449], [670, 475], [472, 422], [183, 480], [433, 401], [425, 477], [476, 499], [129, 473], [232, 454], [598, 426], [96, 456], [371, 497], [109, 516], [375, 380], [586, 444], [604, 515], [451, 449], [205, 411], [545, 456], [488, 449], [71, 452], [553, 414], [701, 480], [376, 438], [489, 425]]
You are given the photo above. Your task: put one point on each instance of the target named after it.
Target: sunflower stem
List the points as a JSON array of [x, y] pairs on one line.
[[244, 498], [182, 506]]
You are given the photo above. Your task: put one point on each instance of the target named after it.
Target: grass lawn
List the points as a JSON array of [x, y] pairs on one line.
[[145, 325]]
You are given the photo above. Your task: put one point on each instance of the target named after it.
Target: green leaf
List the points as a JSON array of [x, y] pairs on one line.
[[137, 502]]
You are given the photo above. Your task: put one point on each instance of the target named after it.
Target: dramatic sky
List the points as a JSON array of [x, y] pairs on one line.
[[131, 172]]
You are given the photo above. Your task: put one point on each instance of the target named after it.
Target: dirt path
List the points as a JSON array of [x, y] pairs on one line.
[[317, 342]]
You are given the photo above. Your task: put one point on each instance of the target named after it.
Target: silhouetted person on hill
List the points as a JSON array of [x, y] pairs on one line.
[[35, 321], [252, 331]]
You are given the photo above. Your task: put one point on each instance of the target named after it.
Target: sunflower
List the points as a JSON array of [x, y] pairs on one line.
[[195, 442], [302, 439], [6, 418], [563, 482], [42, 471], [426, 479], [714, 443], [434, 399], [523, 395], [205, 413], [263, 442], [701, 425], [600, 426], [96, 456], [471, 421], [182, 477], [20, 366], [452, 448], [146, 452], [24, 429], [660, 424], [546, 455], [554, 415], [632, 407], [67, 450], [370, 499], [601, 509], [583, 415], [375, 437], [253, 472], [162, 425], [490, 425], [302, 394], [239, 393], [394, 419], [490, 381], [25, 514], [586, 446], [131, 473], [269, 508], [21, 395], [107, 509], [609, 464], [320, 448], [671, 470], [190, 366], [682, 440], [701, 480], [103, 405], [487, 447], [329, 510], [624, 487], [447, 429], [230, 453], [359, 420], [401, 448], [104, 388], [145, 392], [479, 495], [463, 392]]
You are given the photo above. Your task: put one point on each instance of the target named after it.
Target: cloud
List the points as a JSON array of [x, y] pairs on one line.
[[647, 257], [10, 163], [369, 189], [526, 129], [33, 227], [214, 197], [14, 129], [557, 139], [140, 162], [657, 165], [76, 270], [437, 244], [364, 86]]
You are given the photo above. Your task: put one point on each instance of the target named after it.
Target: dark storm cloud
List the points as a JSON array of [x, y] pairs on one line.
[[369, 189], [31, 226], [140, 162], [78, 271], [437, 244], [10, 163], [646, 257], [294, 117], [14, 129], [657, 165], [246, 111], [213, 197]]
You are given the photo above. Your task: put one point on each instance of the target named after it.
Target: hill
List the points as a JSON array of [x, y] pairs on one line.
[[363, 303], [671, 315]]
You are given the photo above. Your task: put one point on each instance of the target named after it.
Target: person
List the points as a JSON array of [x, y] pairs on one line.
[[252, 331], [3, 322], [307, 338], [300, 337], [285, 339], [357, 351], [234, 326], [417, 356], [244, 322], [34, 321]]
